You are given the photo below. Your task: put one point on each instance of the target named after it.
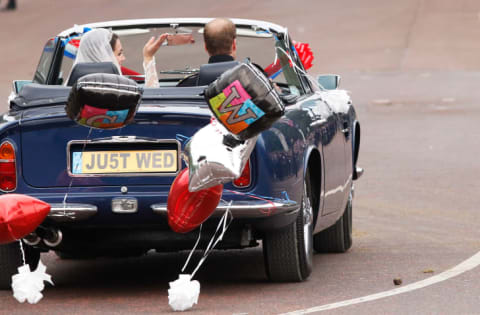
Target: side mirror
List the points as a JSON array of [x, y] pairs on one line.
[[19, 84], [329, 81]]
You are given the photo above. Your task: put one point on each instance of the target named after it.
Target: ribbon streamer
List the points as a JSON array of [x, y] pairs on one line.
[[183, 292]]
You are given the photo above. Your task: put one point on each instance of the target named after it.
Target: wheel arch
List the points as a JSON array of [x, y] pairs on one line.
[[356, 146], [314, 166]]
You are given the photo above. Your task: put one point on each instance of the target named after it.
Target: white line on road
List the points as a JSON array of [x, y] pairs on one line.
[[467, 265]]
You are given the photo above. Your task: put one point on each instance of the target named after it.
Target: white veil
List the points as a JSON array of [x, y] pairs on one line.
[[95, 47]]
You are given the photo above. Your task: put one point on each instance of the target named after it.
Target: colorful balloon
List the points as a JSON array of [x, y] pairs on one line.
[[187, 210], [244, 100], [103, 101], [19, 216]]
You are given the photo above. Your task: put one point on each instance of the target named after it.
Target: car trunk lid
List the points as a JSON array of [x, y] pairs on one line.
[[56, 152]]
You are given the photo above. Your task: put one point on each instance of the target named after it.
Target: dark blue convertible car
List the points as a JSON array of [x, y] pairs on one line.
[[293, 197]]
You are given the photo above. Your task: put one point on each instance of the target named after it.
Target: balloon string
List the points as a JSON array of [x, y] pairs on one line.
[[23, 252], [225, 226], [71, 180], [213, 242], [267, 211], [265, 198], [194, 248]]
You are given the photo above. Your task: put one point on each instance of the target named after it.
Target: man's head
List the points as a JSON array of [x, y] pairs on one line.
[[219, 36]]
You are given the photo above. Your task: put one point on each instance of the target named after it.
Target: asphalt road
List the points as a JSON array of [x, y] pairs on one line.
[[413, 70]]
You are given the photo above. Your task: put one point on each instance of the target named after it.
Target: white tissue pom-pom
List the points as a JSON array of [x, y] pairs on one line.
[[183, 293], [27, 285]]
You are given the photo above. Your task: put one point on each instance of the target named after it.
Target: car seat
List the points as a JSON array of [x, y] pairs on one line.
[[84, 68], [211, 71]]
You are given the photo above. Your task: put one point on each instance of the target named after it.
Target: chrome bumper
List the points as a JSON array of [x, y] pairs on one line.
[[68, 212], [246, 209], [71, 212]]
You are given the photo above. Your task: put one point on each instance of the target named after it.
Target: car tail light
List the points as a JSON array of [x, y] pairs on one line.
[[8, 174], [245, 179]]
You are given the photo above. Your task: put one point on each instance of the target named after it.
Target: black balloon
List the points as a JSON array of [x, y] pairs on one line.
[[244, 100], [104, 101]]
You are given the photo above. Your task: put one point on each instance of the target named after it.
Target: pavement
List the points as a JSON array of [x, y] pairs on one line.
[[412, 68]]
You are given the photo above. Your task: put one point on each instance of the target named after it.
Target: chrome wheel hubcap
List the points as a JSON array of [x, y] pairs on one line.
[[307, 221]]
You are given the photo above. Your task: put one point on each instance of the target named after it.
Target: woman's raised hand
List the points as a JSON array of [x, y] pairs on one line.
[[151, 47]]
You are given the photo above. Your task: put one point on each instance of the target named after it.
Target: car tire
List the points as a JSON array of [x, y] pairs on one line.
[[288, 252], [348, 225], [338, 237], [11, 259]]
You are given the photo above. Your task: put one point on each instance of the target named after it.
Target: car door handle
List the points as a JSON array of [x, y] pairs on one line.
[[318, 122]]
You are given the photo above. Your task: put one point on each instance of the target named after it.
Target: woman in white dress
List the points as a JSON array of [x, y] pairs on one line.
[[102, 45]]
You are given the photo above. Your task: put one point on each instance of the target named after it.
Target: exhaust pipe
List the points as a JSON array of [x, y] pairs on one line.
[[32, 239], [52, 237]]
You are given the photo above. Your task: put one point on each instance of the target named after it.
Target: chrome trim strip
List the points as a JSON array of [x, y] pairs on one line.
[[125, 139], [245, 209], [70, 212]]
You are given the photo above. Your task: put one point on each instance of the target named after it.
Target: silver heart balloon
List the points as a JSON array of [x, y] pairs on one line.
[[215, 157]]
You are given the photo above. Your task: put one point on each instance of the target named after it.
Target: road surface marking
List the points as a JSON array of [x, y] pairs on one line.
[[467, 265]]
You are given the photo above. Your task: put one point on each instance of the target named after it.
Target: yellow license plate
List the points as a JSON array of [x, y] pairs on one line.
[[113, 162]]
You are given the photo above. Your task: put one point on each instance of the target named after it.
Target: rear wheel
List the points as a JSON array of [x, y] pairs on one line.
[[11, 259], [288, 252], [338, 237], [347, 225]]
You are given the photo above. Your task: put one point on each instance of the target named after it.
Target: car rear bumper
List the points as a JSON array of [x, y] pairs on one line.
[[83, 229], [71, 212], [245, 209], [264, 214]]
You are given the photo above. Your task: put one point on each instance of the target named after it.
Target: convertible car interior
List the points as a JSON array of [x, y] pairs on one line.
[[81, 69], [260, 45]]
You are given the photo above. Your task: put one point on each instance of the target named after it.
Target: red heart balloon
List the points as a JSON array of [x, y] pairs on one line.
[[187, 210], [20, 215]]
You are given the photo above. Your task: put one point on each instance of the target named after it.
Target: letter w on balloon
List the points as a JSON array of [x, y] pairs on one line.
[[235, 107]]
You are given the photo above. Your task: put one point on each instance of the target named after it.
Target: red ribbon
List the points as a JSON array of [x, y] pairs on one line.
[[305, 54]]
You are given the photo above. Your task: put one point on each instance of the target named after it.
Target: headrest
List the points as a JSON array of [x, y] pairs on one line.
[[84, 68], [211, 71]]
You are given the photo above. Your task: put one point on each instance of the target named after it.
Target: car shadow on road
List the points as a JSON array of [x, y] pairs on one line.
[[155, 270]]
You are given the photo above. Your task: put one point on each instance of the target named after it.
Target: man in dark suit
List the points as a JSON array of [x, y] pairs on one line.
[[220, 40]]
